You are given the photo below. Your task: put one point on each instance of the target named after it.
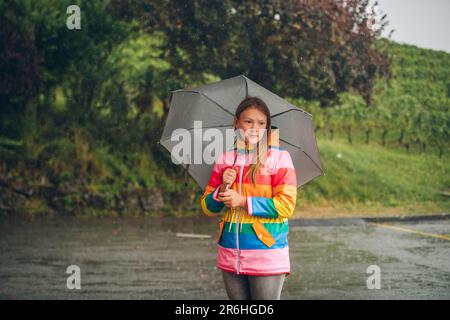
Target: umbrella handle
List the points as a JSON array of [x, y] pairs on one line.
[[222, 189]]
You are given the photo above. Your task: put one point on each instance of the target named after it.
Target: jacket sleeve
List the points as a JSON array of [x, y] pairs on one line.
[[211, 206], [284, 191]]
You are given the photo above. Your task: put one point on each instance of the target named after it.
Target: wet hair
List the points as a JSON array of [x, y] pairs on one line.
[[261, 150]]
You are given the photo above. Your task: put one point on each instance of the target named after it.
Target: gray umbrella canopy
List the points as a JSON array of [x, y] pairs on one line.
[[215, 104]]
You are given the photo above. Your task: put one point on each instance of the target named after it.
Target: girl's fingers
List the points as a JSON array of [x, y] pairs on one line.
[[228, 179], [225, 194], [230, 174]]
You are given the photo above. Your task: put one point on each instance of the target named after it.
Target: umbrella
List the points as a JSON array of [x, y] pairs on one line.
[[215, 104]]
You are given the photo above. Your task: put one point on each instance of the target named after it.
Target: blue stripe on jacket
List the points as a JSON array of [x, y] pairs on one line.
[[251, 241]]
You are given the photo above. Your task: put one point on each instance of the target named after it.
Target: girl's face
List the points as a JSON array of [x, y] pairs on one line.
[[252, 122]]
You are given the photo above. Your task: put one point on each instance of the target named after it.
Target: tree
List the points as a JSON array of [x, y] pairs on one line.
[[20, 78], [298, 48]]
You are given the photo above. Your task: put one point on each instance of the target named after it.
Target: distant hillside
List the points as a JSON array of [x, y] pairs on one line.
[[421, 73], [411, 110], [361, 179], [372, 180]]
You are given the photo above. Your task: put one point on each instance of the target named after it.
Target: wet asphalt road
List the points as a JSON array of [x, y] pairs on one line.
[[144, 259]]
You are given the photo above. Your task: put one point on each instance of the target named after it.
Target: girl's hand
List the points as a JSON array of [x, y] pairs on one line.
[[232, 199], [229, 175]]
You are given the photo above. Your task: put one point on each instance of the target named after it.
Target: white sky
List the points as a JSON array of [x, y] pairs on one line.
[[424, 23]]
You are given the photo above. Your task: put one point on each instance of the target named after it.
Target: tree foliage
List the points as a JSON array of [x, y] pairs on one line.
[[300, 48]]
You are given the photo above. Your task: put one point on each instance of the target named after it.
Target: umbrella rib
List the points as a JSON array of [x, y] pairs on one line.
[[246, 87], [202, 94], [303, 152], [294, 109]]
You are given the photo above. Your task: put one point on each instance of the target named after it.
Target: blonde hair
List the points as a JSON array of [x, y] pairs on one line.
[[261, 157]]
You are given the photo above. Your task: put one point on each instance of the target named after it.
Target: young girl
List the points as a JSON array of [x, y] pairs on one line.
[[261, 191]]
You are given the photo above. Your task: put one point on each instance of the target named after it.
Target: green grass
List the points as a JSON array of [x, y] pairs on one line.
[[373, 176]]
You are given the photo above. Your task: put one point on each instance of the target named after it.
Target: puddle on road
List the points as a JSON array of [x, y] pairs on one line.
[[144, 259]]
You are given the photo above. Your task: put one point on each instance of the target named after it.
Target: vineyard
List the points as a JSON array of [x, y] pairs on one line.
[[409, 111]]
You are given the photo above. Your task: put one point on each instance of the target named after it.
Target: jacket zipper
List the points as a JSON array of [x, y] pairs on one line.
[[237, 220]]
